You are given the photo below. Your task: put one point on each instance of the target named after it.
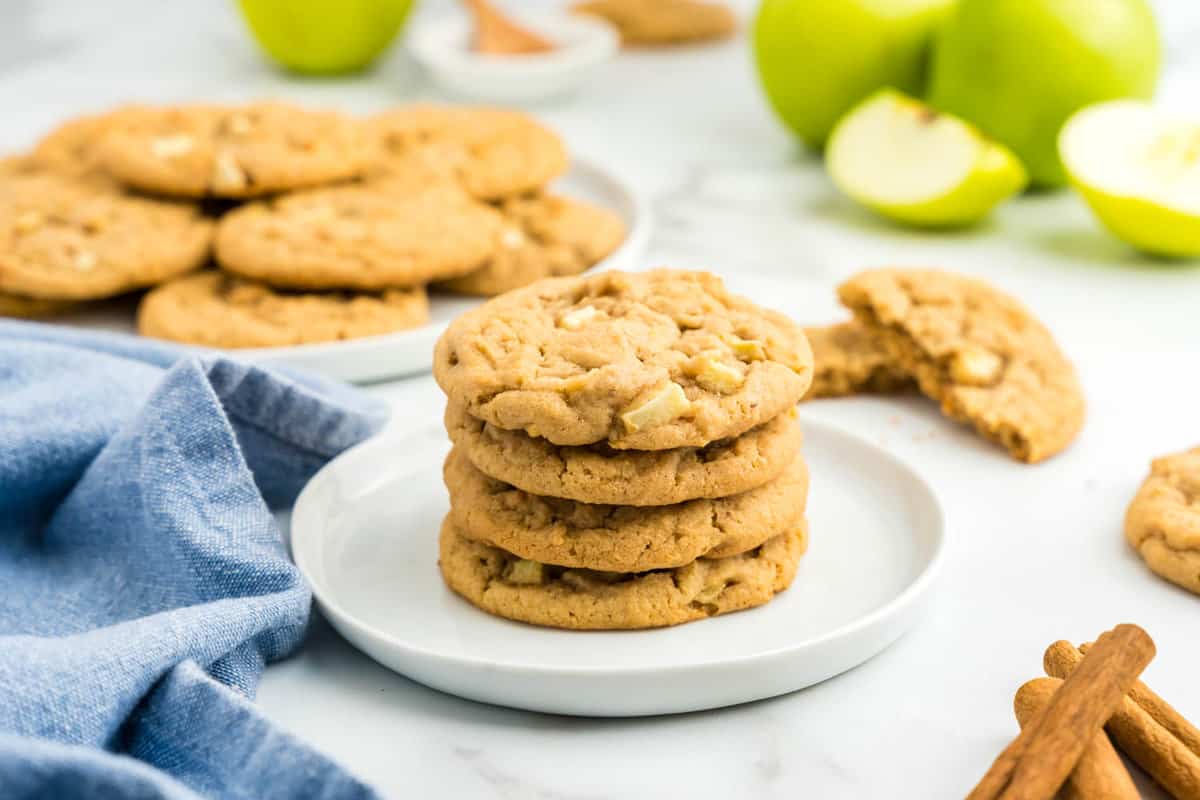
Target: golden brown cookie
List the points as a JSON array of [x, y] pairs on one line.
[[76, 146], [218, 310], [233, 151], [656, 22], [848, 360], [598, 474], [545, 236], [366, 237], [493, 153], [502, 584], [978, 352], [1163, 521], [14, 305], [65, 238], [620, 538], [646, 361]]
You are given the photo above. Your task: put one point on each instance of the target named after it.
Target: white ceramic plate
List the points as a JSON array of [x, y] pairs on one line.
[[393, 355], [364, 532]]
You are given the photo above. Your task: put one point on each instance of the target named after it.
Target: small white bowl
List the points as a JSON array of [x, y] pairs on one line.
[[582, 44]]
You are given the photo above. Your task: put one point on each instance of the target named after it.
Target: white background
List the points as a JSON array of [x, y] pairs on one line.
[[1036, 553]]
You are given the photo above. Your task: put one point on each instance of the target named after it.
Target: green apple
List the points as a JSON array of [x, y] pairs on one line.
[[817, 58], [916, 165], [1019, 68], [1139, 170], [325, 36]]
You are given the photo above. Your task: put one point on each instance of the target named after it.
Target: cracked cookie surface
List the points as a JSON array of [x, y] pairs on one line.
[[599, 474], [978, 352], [1163, 521], [233, 151], [493, 153], [651, 22], [620, 538], [64, 238], [369, 237], [847, 360], [501, 584], [647, 361], [544, 236], [218, 310]]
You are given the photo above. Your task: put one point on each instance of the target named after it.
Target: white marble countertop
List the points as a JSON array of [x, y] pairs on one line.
[[1035, 553]]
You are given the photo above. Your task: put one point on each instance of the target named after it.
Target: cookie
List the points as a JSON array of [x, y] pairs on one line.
[[978, 352], [76, 146], [848, 360], [1163, 521], [656, 22], [620, 538], [599, 474], [502, 584], [493, 153], [218, 310], [14, 305], [367, 237], [646, 361], [235, 151], [546, 236], [65, 238]]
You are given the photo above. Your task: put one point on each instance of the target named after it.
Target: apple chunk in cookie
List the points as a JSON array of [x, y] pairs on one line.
[[646, 361]]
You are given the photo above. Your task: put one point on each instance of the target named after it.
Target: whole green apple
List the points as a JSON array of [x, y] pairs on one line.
[[818, 58], [325, 36], [1019, 68]]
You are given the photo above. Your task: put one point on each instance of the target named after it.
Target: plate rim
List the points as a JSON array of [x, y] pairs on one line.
[[918, 588], [636, 240]]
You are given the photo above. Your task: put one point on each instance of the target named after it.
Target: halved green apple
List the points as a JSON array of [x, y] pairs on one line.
[[911, 163], [1139, 169]]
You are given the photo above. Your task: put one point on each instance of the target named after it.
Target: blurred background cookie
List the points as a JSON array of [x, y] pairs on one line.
[[218, 310]]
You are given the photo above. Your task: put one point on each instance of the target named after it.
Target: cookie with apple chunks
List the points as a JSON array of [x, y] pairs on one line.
[[978, 352], [645, 361]]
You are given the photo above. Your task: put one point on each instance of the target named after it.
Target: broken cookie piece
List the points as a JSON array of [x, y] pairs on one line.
[[977, 351]]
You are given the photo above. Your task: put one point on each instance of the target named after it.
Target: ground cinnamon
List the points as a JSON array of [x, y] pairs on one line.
[[1099, 774], [1151, 745], [1039, 760]]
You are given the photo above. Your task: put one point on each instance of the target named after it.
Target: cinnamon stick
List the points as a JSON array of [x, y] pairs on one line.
[[1151, 745], [1099, 774], [1039, 760], [1163, 713], [496, 34]]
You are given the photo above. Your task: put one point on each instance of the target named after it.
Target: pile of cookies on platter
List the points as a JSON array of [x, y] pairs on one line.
[[323, 226], [626, 451]]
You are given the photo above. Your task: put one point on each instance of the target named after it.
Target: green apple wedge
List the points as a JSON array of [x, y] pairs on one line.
[[1017, 69], [818, 58], [913, 164], [1139, 169]]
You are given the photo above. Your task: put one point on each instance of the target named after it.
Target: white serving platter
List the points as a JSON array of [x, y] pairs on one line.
[[395, 355], [364, 533]]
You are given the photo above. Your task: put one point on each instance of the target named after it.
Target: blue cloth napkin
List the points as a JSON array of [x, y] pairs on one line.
[[143, 581]]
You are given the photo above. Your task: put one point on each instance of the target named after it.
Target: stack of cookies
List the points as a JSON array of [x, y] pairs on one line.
[[322, 226], [626, 451]]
